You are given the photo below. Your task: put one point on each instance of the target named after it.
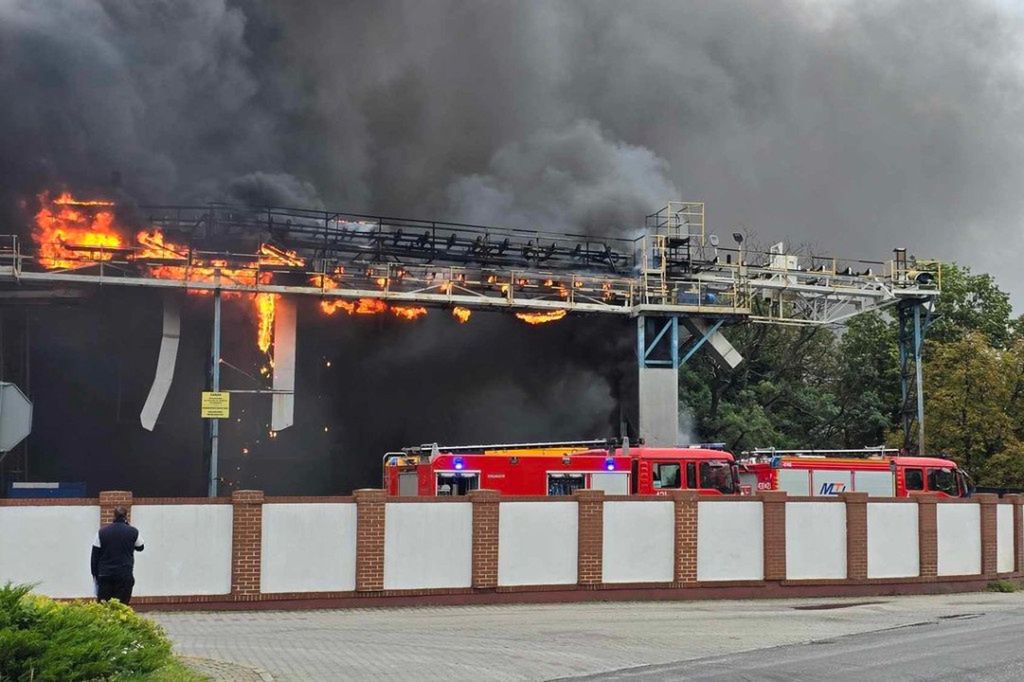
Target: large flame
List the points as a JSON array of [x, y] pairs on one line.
[[72, 232], [461, 314], [266, 305], [541, 318]]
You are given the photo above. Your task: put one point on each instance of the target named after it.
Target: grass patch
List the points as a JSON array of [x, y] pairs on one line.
[[1003, 586], [43, 640], [174, 672]]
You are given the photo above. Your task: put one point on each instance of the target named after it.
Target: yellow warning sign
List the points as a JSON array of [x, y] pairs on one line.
[[216, 405]]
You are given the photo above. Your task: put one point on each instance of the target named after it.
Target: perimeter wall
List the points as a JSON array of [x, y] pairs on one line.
[[251, 551]]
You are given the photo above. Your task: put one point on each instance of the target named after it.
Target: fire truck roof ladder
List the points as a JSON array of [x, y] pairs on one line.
[[851, 452], [435, 448]]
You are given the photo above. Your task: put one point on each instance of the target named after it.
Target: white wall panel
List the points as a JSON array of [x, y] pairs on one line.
[[730, 541], [815, 540], [639, 542], [49, 545], [188, 549], [428, 545], [959, 539], [893, 544], [537, 543], [1004, 538], [308, 547]]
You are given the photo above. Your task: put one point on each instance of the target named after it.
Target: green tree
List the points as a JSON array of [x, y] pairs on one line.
[[970, 302], [966, 400]]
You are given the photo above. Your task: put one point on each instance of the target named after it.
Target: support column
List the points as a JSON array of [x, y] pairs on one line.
[[856, 535], [485, 538], [774, 502], [686, 510], [109, 499], [370, 539], [590, 545], [928, 539], [1018, 532], [989, 535], [658, 381], [246, 543]]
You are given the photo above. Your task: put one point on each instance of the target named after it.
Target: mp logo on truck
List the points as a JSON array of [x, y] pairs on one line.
[[832, 488]]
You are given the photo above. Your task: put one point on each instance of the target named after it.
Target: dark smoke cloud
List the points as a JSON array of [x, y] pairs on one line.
[[857, 126]]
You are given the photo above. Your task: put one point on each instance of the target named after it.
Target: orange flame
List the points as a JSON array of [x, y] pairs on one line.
[[67, 236], [266, 306], [408, 312], [541, 318], [364, 306], [461, 314], [334, 305]]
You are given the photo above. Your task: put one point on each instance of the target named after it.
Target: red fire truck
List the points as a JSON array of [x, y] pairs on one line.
[[559, 469], [876, 471]]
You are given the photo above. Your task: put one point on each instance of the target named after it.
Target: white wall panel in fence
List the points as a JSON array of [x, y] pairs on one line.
[[537, 543], [50, 546], [188, 549], [309, 547], [959, 538], [815, 540], [893, 542], [1004, 538], [428, 545], [639, 542], [730, 541]]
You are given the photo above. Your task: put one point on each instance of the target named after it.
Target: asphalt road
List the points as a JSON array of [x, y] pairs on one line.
[[969, 646]]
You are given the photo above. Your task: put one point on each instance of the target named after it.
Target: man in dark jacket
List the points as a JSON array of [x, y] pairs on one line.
[[113, 558]]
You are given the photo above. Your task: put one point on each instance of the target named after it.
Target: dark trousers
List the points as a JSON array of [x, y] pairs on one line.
[[112, 587]]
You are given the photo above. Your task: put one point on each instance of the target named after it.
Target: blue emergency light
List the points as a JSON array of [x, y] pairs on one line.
[[458, 463], [609, 464]]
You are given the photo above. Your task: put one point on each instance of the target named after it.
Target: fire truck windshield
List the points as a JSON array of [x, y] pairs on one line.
[[718, 475]]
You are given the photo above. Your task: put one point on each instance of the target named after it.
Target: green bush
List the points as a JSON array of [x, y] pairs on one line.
[[41, 639], [1003, 586]]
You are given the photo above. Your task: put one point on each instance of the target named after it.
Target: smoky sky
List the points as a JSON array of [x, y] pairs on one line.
[[857, 126]]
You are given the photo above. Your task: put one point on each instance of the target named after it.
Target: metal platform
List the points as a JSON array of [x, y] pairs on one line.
[[675, 267]]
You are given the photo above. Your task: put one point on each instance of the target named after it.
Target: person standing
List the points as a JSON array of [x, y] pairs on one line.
[[113, 558]]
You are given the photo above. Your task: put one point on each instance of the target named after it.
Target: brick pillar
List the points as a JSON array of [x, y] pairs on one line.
[[928, 540], [774, 502], [369, 539], [114, 498], [246, 542], [485, 538], [989, 537], [686, 536], [856, 535], [590, 546], [1018, 532]]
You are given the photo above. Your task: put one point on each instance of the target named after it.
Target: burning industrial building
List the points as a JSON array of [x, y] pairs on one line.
[[553, 118]]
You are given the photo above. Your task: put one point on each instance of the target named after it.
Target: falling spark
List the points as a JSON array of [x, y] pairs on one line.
[[541, 318], [461, 314]]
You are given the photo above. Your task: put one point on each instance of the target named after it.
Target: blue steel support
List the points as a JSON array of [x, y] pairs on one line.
[[701, 341], [645, 350]]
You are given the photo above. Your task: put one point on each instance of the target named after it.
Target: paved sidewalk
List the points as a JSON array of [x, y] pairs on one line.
[[537, 642]]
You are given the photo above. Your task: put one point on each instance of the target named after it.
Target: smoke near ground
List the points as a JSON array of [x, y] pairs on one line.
[[858, 126]]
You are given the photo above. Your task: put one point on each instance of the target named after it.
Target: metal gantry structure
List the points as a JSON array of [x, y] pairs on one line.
[[673, 272]]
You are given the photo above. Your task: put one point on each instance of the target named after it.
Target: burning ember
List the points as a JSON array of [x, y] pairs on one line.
[[461, 314], [68, 236], [541, 318]]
